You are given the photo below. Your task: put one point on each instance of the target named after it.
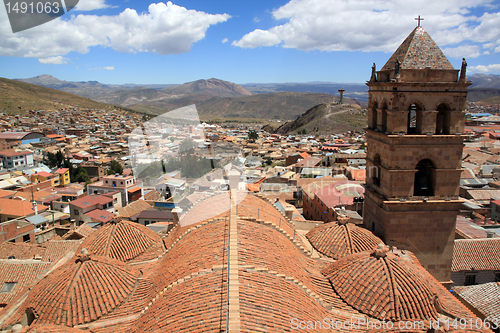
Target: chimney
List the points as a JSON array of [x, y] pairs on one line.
[[176, 212], [289, 212], [35, 207]]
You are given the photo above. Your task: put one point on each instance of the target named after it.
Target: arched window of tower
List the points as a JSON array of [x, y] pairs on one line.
[[425, 178], [414, 118]]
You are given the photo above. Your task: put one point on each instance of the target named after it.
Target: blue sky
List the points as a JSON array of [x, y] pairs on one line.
[[244, 41]]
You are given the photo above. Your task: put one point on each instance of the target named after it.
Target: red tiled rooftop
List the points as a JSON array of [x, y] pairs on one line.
[[99, 215], [23, 272], [337, 240], [476, 255], [82, 291], [44, 174], [61, 170], [388, 287], [91, 200], [124, 241], [19, 208]]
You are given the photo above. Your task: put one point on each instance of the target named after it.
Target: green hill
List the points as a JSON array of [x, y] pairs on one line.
[[19, 97], [329, 118]]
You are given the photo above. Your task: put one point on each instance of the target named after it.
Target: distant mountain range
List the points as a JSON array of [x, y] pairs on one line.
[[216, 97]]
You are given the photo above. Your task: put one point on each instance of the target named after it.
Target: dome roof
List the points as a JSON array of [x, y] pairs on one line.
[[82, 291], [384, 285], [337, 240], [123, 241]]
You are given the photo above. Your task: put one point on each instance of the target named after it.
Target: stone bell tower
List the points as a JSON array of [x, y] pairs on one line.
[[415, 139]]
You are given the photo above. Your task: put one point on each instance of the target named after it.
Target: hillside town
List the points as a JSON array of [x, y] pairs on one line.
[[73, 179]]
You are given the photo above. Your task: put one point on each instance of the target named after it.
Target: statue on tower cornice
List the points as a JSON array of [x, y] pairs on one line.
[[374, 75], [463, 70]]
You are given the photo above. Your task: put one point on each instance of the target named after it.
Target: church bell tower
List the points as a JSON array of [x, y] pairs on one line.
[[415, 139]]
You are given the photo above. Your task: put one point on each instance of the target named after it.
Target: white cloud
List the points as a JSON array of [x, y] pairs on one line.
[[53, 60], [494, 68], [86, 5], [464, 51], [164, 29], [108, 68], [225, 40], [258, 38], [256, 19], [372, 25]]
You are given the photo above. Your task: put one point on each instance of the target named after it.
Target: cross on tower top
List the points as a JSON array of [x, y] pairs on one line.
[[419, 19]]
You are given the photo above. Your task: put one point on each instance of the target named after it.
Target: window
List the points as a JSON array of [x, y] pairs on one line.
[[76, 212], [425, 178], [26, 238], [7, 287], [470, 279]]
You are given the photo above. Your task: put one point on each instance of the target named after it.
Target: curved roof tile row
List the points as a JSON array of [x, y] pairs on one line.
[[337, 240]]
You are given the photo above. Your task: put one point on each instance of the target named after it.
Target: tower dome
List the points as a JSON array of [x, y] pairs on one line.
[[82, 291], [124, 241], [337, 239], [385, 285]]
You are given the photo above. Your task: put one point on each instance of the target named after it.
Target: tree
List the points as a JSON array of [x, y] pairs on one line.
[[114, 168], [59, 158], [81, 176], [252, 135]]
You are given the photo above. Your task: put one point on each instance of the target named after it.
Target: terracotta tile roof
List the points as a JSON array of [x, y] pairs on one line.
[[20, 250], [476, 254], [418, 51], [184, 289], [61, 170], [391, 291], [483, 297], [82, 231], [50, 251], [99, 215], [82, 291], [133, 208], [124, 241], [91, 200], [195, 305], [6, 193], [337, 240], [23, 272], [18, 208]]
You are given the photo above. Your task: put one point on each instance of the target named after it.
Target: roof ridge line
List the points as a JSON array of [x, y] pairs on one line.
[[110, 239], [393, 291]]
